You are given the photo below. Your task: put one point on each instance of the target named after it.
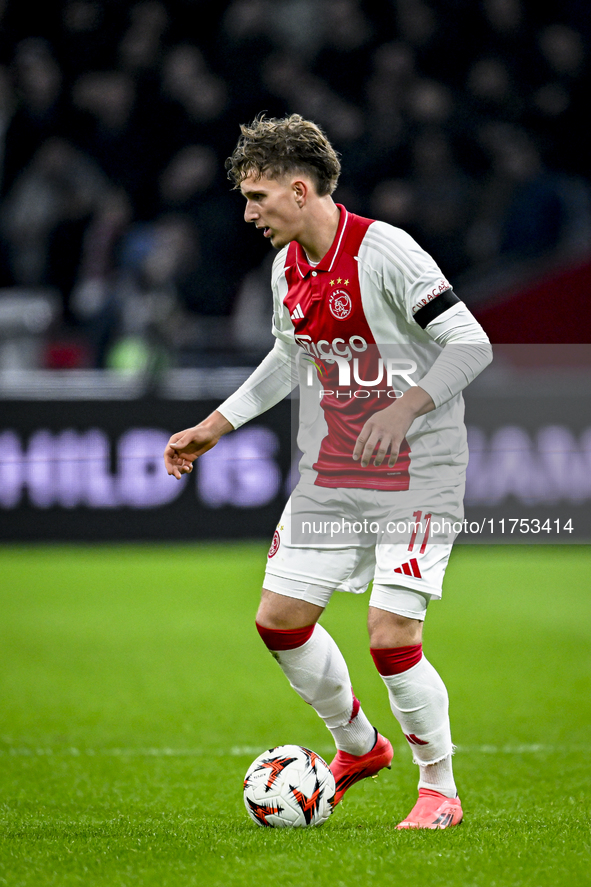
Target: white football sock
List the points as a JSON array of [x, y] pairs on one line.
[[438, 777], [419, 702], [318, 672], [356, 737]]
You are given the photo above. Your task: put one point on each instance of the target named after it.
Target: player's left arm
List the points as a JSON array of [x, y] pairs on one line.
[[466, 352]]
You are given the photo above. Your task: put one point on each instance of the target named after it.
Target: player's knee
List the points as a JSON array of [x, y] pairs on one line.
[[273, 613], [388, 630], [281, 613]]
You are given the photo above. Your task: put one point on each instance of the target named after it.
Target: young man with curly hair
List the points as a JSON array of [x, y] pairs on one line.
[[382, 347]]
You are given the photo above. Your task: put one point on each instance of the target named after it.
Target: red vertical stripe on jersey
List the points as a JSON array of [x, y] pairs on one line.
[[332, 316]]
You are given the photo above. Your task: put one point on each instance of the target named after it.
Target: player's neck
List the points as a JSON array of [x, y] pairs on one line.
[[320, 230]]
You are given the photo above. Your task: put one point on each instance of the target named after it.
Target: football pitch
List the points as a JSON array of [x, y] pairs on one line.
[[135, 692]]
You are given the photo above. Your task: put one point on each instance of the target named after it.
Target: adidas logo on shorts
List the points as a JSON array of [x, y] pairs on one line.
[[411, 568]]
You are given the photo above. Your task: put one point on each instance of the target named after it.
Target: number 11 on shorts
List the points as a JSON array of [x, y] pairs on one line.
[[417, 525]]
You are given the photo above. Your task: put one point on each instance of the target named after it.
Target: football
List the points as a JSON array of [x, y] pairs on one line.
[[289, 787]]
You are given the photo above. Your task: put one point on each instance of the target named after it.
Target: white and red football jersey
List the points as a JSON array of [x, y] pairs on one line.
[[359, 319], [370, 320]]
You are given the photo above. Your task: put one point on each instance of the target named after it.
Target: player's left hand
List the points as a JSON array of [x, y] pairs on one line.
[[385, 431]]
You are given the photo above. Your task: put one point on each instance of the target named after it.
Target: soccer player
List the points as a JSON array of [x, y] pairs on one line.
[[382, 347]]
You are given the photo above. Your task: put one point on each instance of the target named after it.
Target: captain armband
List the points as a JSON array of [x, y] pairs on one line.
[[435, 307]]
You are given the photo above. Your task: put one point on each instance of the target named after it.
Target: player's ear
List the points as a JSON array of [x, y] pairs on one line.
[[300, 190]]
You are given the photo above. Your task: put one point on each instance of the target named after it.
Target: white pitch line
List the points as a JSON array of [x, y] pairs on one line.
[[250, 750]]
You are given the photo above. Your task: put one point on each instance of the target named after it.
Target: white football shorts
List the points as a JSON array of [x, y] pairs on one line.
[[343, 539]]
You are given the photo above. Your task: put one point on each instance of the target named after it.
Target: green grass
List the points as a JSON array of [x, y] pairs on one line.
[[134, 692]]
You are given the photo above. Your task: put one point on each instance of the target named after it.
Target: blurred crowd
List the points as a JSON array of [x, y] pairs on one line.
[[461, 121]]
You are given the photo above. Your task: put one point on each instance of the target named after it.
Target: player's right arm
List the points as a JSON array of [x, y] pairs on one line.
[[185, 446], [272, 380]]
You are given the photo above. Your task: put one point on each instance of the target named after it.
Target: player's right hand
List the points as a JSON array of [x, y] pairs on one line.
[[186, 446]]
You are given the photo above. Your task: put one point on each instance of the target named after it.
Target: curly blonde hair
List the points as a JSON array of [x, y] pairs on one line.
[[275, 147]]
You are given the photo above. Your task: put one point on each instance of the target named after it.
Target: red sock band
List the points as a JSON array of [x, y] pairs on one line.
[[277, 639], [395, 660]]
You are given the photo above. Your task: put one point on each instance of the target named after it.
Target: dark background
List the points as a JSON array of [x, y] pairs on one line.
[[462, 121], [124, 255], [530, 460]]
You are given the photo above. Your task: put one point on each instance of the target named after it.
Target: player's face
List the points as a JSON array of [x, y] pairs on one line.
[[272, 204]]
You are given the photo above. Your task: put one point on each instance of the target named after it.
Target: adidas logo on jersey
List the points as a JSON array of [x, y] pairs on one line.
[[297, 314], [411, 568]]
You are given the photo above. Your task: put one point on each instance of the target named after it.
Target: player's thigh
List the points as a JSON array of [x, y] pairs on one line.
[[406, 581], [313, 574], [312, 571], [414, 549]]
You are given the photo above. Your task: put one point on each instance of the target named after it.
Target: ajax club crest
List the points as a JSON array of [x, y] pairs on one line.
[[340, 304], [275, 544]]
